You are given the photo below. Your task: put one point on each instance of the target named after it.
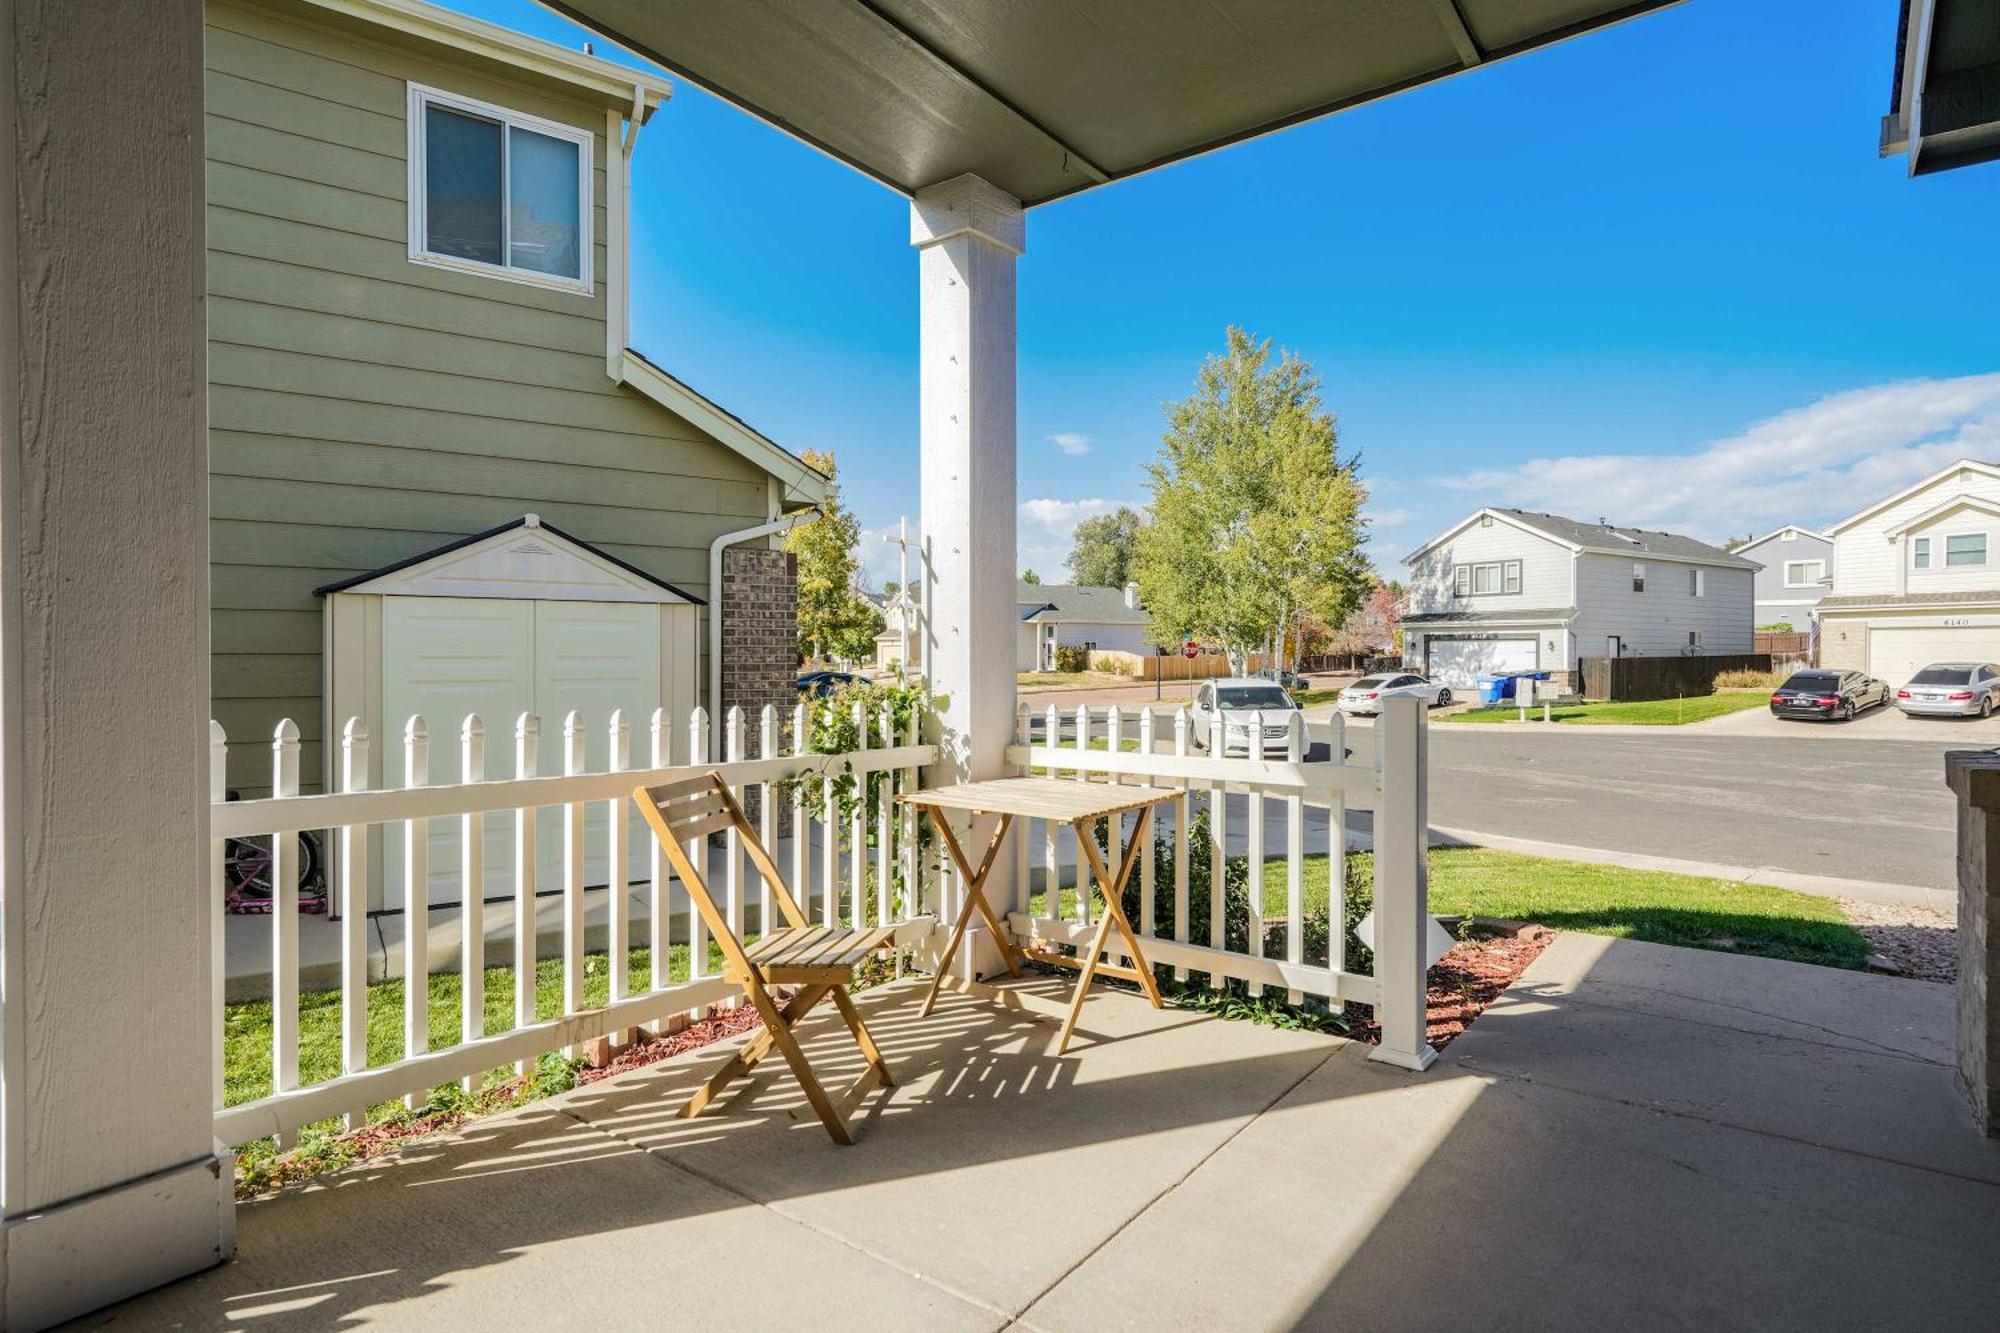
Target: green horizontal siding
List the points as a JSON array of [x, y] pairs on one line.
[[364, 409]]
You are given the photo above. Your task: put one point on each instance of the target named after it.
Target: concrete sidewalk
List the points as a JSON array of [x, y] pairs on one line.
[[1634, 1136]]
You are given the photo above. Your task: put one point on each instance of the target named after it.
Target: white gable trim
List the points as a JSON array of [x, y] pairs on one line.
[[525, 562], [1943, 475], [802, 485], [1792, 528], [1498, 517], [1935, 512]]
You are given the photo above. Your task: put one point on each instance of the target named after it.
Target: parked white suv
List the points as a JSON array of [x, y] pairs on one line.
[[1235, 701]]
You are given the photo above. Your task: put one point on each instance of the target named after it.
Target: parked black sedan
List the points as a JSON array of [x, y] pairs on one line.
[[819, 684], [1827, 695]]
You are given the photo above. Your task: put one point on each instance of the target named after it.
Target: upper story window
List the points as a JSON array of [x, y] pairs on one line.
[[1484, 580], [1638, 578], [1697, 583], [1920, 553], [1808, 573], [498, 192], [1965, 548]]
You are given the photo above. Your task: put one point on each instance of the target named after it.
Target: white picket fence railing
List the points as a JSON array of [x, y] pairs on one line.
[[1259, 811], [838, 860]]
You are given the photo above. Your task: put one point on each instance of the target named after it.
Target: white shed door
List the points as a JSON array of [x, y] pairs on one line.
[[1897, 652], [445, 657], [1455, 662]]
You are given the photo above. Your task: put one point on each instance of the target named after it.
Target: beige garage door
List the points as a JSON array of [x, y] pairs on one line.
[[1897, 652]]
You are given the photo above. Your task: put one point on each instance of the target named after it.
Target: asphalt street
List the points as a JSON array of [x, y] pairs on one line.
[[1859, 809]]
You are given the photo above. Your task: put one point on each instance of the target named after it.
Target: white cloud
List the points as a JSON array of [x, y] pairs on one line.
[[1047, 529], [1385, 520], [1814, 464], [1070, 442]]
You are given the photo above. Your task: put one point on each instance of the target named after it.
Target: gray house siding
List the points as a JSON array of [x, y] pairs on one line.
[[1656, 622], [364, 408], [1775, 601]]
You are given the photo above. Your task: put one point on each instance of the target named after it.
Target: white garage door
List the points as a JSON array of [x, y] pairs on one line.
[[1895, 653], [1456, 662], [445, 657]]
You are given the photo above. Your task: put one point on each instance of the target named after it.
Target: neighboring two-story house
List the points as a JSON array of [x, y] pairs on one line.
[[1106, 620], [1916, 577], [1797, 564], [441, 482], [1511, 590]]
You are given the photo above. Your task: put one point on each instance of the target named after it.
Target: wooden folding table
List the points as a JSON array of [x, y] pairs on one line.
[[1066, 801]]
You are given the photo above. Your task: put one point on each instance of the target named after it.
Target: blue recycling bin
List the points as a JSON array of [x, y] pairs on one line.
[[1492, 689]]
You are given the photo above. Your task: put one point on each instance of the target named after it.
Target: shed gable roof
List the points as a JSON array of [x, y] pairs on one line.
[[522, 559]]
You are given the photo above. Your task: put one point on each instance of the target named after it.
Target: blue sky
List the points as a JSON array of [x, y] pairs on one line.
[[1656, 274]]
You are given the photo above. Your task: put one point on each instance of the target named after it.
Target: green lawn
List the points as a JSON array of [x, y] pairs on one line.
[[1305, 698], [1650, 905], [1645, 713], [1661, 908]]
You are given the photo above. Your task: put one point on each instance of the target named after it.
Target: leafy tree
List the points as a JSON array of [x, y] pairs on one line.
[[1373, 624], [1030, 576], [834, 618], [1101, 556], [1738, 543], [890, 589], [1255, 515]]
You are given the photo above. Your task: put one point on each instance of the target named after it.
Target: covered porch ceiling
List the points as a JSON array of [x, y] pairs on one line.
[[1945, 106], [1044, 98]]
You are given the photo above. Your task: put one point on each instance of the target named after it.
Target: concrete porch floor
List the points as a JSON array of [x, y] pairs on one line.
[[1634, 1136]]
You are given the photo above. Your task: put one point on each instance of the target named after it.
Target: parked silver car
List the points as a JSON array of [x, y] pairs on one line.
[[1366, 695], [1952, 689], [1235, 701]]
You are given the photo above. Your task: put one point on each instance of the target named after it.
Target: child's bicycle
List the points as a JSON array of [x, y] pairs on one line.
[[246, 874]]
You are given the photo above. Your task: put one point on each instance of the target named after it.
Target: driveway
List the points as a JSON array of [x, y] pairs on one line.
[[1877, 724]]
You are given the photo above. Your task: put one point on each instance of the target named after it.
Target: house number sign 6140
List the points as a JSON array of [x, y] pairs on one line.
[[1957, 622]]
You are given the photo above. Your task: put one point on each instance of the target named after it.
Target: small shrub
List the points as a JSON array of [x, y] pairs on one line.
[[1749, 680], [1072, 657]]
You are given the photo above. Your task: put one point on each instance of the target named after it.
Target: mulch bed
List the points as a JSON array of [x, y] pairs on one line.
[[725, 1024], [1468, 979]]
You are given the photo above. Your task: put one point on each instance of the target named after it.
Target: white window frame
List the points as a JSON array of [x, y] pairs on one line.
[[1920, 553], [584, 284], [1815, 571], [1506, 578], [1695, 639], [1985, 551], [1697, 582], [1638, 577]]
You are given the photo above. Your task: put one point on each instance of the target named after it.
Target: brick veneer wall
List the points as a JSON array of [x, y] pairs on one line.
[[760, 600]]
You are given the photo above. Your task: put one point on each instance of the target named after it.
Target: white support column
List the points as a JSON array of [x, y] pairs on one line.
[[110, 1178], [969, 234]]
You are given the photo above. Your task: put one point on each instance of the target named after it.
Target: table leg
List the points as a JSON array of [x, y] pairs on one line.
[[1114, 889], [975, 901]]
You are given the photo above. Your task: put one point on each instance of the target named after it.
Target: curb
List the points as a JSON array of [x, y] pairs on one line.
[[1821, 886]]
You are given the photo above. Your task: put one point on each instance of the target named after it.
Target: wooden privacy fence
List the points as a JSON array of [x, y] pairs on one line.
[[1632, 678], [1781, 644], [854, 859]]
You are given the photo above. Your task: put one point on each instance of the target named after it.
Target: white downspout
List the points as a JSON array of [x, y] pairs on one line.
[[714, 608], [618, 247]]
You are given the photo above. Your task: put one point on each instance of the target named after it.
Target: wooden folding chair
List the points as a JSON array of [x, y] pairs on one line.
[[819, 960]]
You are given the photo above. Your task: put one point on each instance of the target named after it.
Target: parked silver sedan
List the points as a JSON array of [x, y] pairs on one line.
[[1366, 695], [1952, 689]]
